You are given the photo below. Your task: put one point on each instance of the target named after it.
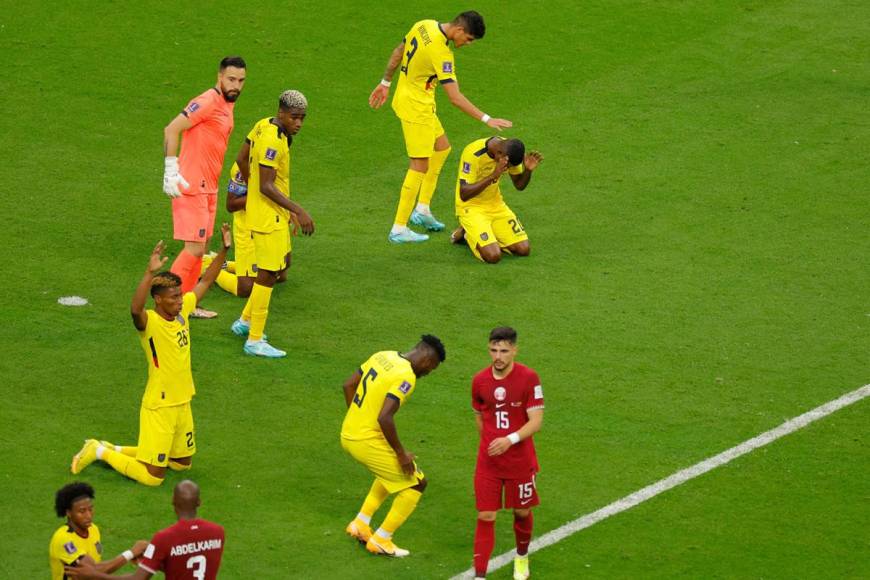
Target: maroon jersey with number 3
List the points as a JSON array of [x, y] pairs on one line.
[[189, 550], [502, 404]]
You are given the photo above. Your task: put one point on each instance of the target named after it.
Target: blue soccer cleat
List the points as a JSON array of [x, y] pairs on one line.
[[263, 348], [407, 236], [427, 221]]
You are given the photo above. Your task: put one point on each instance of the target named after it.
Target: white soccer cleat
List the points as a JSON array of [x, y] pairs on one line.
[[263, 349], [521, 567], [407, 236], [385, 547]]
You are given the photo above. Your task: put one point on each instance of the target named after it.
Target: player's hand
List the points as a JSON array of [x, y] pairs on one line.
[[305, 222], [499, 123], [82, 569], [294, 224], [532, 159], [173, 181], [406, 462], [157, 259], [501, 165], [139, 548], [226, 235], [498, 446], [379, 96]]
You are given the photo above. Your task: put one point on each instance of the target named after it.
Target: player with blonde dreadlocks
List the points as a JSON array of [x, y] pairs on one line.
[[166, 433]]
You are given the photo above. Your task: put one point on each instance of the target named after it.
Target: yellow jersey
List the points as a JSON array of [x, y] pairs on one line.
[[427, 61], [270, 146], [239, 216], [67, 547], [384, 374], [474, 165], [167, 349]]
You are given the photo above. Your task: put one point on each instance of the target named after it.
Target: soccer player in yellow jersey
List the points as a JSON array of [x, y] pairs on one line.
[[166, 433], [427, 61], [264, 162], [374, 393], [79, 538], [486, 222]]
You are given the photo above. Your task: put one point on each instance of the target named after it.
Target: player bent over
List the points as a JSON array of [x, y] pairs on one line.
[[486, 222], [77, 542], [166, 433], [191, 549], [374, 394], [508, 404]]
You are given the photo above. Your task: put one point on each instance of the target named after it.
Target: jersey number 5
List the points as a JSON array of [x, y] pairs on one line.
[[357, 398]]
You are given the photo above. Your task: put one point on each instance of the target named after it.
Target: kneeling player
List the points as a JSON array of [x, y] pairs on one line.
[[508, 403], [486, 222]]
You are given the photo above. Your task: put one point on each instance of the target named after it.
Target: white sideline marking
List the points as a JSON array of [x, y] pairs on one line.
[[678, 478]]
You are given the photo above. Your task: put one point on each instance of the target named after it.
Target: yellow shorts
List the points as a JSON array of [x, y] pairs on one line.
[[165, 432], [271, 249], [420, 137], [246, 258], [380, 459], [483, 227]]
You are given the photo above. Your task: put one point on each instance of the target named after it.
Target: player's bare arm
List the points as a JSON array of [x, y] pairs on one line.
[[533, 425], [210, 275], [172, 134], [268, 188], [470, 190], [140, 296], [89, 571], [530, 163], [238, 201], [462, 103], [382, 91], [388, 427], [350, 386], [242, 159]]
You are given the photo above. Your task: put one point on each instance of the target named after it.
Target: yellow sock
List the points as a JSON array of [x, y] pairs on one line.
[[259, 301], [231, 267], [408, 196], [129, 466], [246, 311], [403, 506], [176, 466], [430, 180], [228, 282], [377, 494]]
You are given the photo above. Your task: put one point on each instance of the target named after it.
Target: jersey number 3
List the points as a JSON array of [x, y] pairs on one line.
[[197, 566], [363, 388], [410, 55]]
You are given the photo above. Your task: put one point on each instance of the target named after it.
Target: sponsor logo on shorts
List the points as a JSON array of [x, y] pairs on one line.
[[202, 233], [70, 548], [466, 167], [192, 107], [500, 392], [405, 387], [484, 236], [161, 458], [271, 153], [447, 67]]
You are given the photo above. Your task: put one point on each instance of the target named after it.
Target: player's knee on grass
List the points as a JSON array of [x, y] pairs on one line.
[[520, 248], [490, 253], [486, 516], [421, 486]]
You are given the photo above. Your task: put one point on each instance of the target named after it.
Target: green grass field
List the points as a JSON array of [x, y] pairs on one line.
[[699, 273]]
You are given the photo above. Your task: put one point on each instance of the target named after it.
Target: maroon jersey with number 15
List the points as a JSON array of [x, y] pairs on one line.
[[502, 404], [188, 550]]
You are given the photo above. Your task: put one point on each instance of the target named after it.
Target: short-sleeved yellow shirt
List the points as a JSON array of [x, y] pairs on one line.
[[67, 547], [384, 374], [474, 165], [270, 146], [427, 61], [166, 344]]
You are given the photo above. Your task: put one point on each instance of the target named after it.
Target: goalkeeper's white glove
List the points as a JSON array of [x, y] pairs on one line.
[[172, 179]]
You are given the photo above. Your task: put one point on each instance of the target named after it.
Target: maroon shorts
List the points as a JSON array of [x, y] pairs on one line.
[[517, 493]]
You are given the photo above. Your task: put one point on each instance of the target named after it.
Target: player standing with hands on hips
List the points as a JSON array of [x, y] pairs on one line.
[[191, 178], [426, 61], [508, 404]]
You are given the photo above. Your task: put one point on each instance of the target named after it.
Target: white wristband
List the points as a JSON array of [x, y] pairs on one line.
[[128, 555], [514, 438], [386, 83], [485, 118]]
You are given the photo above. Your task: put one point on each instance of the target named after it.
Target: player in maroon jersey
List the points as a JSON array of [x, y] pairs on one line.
[[189, 550], [508, 404]]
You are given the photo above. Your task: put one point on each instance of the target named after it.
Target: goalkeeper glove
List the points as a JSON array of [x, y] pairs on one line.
[[172, 179]]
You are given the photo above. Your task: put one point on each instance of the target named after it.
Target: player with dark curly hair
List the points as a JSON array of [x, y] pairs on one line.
[[374, 393], [79, 538]]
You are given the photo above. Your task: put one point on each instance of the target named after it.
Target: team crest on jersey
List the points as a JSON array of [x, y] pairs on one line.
[[202, 233], [447, 66], [271, 153], [500, 393], [466, 167], [192, 107], [405, 387], [70, 548]]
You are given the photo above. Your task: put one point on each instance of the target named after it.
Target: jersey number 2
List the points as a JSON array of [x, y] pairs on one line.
[[359, 398], [197, 564]]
